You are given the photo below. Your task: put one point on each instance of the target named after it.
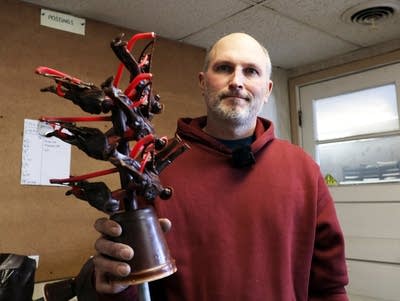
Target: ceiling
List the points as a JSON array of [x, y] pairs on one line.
[[296, 32]]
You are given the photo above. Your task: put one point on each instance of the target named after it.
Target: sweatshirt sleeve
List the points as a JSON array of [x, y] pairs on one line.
[[130, 294], [328, 276]]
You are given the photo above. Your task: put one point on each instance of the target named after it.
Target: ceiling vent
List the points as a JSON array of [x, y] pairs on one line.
[[371, 12]]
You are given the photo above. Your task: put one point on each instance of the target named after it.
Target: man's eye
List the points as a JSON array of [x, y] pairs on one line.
[[223, 68], [252, 71]]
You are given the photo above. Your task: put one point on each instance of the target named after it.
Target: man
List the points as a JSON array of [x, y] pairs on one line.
[[252, 217]]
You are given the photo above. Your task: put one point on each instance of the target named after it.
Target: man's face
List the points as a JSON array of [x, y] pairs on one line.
[[236, 82]]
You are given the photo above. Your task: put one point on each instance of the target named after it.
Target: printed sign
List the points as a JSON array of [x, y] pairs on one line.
[[62, 21]]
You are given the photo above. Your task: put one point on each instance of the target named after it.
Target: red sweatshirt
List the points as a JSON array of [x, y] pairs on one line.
[[264, 232]]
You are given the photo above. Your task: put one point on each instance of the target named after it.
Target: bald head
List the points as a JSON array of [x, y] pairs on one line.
[[237, 39]]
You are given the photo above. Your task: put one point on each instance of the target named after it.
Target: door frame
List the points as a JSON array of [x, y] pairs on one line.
[[360, 286]]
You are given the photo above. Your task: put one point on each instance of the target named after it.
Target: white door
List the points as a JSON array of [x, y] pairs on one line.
[[351, 126]]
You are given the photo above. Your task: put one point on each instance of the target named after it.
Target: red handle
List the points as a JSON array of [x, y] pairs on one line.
[[129, 46]]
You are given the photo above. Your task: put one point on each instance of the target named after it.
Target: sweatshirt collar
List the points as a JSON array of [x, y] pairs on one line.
[[191, 130]]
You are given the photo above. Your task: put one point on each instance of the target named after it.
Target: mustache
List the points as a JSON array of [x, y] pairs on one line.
[[223, 95]]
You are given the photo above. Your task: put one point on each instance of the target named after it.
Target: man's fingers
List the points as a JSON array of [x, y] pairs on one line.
[[165, 224], [113, 249], [112, 228], [112, 267], [108, 286], [109, 273], [108, 227]]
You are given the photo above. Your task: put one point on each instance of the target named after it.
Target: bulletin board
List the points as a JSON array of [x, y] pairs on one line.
[[41, 220]]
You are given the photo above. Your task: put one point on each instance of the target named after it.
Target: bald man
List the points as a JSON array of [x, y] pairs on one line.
[[252, 217]]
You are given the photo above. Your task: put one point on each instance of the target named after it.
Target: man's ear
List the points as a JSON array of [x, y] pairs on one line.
[[202, 84], [270, 84]]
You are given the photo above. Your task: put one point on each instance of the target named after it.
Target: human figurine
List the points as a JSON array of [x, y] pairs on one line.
[[139, 164], [130, 113]]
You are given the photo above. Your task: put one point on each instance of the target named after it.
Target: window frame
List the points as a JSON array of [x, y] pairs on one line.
[[296, 82]]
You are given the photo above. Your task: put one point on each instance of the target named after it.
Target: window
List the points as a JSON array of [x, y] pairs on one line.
[[367, 111], [356, 137], [351, 126]]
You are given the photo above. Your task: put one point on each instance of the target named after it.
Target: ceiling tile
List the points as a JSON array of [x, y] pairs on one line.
[[252, 1], [297, 32], [170, 19], [326, 16], [290, 43]]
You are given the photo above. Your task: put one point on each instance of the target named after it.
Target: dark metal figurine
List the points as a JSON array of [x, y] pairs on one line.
[[130, 145]]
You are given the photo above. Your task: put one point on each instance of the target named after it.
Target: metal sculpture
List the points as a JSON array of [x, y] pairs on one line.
[[130, 145]]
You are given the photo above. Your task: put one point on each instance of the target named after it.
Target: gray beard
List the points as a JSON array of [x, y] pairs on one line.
[[234, 117]]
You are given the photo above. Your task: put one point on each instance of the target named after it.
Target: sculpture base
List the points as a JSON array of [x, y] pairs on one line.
[[141, 230], [150, 274]]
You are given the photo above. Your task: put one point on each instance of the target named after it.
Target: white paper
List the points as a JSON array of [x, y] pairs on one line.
[[62, 21], [43, 158]]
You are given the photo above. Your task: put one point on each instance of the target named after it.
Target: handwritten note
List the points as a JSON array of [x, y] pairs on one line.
[[43, 158]]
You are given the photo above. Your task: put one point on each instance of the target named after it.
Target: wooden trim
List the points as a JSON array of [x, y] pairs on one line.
[[344, 69]]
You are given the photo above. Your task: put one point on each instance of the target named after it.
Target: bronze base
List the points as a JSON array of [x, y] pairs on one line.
[[150, 274], [141, 230]]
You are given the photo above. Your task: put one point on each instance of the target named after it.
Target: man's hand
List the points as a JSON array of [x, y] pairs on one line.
[[108, 272]]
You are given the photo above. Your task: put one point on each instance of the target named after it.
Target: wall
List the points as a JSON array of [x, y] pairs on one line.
[[346, 58], [277, 107]]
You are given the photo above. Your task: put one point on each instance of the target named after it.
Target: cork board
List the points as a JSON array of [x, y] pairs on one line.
[[41, 220]]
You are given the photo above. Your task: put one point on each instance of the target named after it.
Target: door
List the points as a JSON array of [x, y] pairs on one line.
[[351, 126]]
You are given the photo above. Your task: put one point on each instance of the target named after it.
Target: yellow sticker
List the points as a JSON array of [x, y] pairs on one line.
[[330, 180]]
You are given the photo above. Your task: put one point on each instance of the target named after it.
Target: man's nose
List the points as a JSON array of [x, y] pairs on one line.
[[236, 80]]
